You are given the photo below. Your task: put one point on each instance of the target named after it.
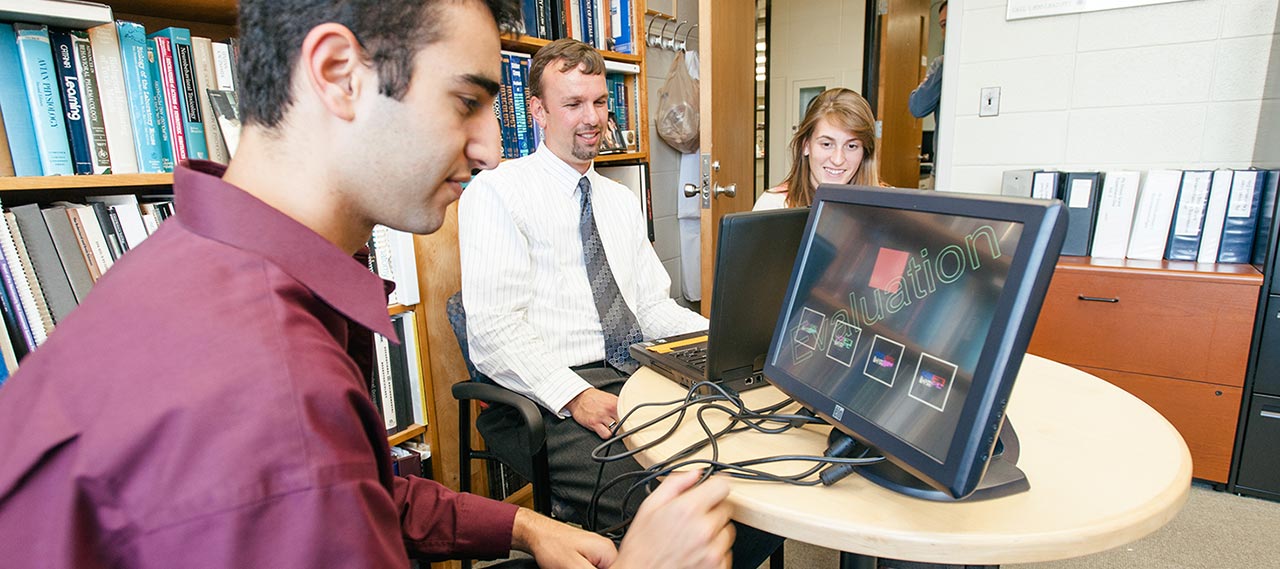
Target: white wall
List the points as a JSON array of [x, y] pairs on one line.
[[664, 161], [811, 43], [1192, 84]]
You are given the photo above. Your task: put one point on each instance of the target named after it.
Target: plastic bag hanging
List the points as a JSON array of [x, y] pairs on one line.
[[678, 120]]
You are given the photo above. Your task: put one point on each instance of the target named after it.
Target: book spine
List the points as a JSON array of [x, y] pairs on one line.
[[15, 281], [33, 297], [222, 67], [620, 13], [16, 108], [40, 77], [165, 93], [99, 150], [519, 106], [71, 93], [508, 111], [172, 106], [110, 230], [587, 9], [105, 41], [137, 83], [185, 74], [82, 240], [202, 54]]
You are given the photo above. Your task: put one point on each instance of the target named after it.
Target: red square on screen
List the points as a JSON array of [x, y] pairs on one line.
[[887, 275]]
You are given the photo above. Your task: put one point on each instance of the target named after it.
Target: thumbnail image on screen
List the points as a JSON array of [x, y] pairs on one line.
[[891, 311]]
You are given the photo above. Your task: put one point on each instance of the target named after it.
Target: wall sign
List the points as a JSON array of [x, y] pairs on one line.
[[1019, 9]]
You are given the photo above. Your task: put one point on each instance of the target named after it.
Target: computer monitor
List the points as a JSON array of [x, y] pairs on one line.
[[906, 320]]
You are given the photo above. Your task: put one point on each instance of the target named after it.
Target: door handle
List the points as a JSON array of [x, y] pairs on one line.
[[731, 190], [1097, 298], [691, 190]]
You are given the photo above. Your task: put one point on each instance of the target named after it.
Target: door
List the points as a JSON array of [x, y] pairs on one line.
[[904, 43], [726, 33]]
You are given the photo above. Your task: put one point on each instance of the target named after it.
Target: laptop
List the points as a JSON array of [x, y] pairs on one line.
[[754, 258]]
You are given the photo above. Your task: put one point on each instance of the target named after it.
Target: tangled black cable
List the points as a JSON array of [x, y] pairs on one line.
[[706, 397]]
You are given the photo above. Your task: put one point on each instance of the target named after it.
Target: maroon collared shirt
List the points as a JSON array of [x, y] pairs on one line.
[[200, 409]]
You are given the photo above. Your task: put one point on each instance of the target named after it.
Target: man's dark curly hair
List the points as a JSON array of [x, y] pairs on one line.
[[390, 31]]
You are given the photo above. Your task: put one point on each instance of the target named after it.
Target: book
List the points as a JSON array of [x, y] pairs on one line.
[[111, 230], [45, 261], [160, 108], [40, 77], [73, 258], [93, 240], [227, 112], [33, 298], [126, 210], [1080, 191], [202, 55], [20, 132], [168, 101], [1114, 221], [1188, 216], [188, 90], [105, 41], [1046, 185], [224, 79], [620, 14], [71, 94], [1215, 216], [6, 159], [1153, 214], [100, 150], [1241, 222], [16, 289], [413, 351], [65, 13], [141, 95]]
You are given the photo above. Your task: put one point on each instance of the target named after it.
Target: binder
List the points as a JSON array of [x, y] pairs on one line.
[[1241, 221], [1046, 185], [1188, 216], [1269, 180], [1154, 212], [1017, 183], [1215, 216], [1116, 203], [1080, 191]]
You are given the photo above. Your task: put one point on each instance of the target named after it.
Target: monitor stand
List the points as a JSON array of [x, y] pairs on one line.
[[1003, 477]]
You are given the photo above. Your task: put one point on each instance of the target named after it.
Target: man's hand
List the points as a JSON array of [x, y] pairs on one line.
[[680, 527], [555, 545], [596, 410]]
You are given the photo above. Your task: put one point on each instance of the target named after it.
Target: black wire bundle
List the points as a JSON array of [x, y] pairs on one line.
[[708, 397]]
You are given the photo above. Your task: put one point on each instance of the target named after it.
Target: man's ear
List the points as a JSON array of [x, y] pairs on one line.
[[334, 69], [538, 111]]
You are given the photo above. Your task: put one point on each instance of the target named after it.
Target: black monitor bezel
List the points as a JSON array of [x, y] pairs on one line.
[[1044, 227]]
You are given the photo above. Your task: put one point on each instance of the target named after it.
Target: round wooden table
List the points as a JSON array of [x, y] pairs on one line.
[[1105, 469]]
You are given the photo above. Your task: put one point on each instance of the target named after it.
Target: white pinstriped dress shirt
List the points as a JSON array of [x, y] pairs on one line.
[[530, 313]]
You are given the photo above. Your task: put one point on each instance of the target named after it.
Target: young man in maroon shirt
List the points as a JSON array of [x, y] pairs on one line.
[[204, 405]]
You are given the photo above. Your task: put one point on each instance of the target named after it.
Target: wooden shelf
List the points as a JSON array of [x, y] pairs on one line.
[[211, 11], [623, 157], [414, 430], [395, 309], [82, 182], [1216, 272], [530, 44]]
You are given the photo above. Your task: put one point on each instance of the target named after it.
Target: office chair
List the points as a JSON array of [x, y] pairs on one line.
[[477, 387]]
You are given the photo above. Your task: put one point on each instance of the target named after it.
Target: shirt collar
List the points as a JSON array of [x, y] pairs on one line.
[[212, 208], [564, 176]]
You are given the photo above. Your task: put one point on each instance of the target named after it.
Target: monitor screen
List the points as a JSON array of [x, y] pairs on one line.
[[907, 316]]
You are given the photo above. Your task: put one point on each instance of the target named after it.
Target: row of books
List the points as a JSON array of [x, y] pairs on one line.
[[51, 255], [396, 388], [605, 24], [521, 134], [1206, 216], [111, 99]]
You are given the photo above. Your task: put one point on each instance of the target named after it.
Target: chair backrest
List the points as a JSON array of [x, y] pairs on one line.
[[458, 321]]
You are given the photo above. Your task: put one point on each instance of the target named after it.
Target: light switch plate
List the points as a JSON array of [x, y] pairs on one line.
[[989, 103]]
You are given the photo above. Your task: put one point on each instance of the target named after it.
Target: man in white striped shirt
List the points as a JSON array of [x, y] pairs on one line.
[[531, 317], [533, 298]]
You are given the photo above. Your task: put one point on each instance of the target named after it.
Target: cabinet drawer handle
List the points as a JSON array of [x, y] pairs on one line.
[[1098, 298], [1270, 414]]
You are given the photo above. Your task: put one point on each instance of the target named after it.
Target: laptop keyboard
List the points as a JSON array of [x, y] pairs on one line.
[[695, 356]]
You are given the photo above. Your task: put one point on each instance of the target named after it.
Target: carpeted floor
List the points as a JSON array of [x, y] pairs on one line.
[[1215, 530]]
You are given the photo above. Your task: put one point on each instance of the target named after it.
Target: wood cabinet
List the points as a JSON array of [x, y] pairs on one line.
[[1174, 334]]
